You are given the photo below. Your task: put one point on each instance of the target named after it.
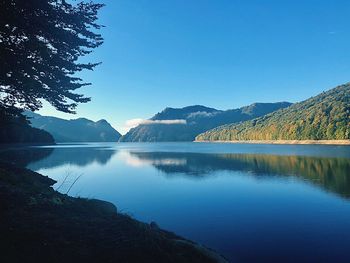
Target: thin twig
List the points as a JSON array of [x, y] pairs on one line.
[[76, 179], [64, 180]]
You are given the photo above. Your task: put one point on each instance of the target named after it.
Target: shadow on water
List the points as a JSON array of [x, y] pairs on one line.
[[22, 156], [333, 174], [36, 158]]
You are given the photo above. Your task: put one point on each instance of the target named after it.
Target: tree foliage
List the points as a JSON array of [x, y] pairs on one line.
[[324, 117], [41, 42]]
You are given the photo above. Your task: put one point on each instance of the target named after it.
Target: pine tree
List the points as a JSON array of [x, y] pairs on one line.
[[40, 44]]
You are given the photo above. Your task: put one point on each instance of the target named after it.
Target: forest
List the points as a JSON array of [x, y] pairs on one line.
[[323, 117]]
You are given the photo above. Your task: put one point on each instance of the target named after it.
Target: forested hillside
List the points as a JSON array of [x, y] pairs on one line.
[[324, 117], [184, 124], [75, 130], [15, 129]]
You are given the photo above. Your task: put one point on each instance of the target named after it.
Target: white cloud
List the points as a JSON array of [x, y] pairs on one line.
[[129, 124], [138, 162], [201, 114], [132, 123], [180, 121]]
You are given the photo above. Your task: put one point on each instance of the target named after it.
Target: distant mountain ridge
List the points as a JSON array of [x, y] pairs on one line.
[[196, 119], [182, 113], [75, 130], [323, 117]]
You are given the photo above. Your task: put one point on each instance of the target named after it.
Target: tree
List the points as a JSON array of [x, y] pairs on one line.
[[41, 42]]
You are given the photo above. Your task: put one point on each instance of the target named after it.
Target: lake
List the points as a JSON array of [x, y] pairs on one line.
[[251, 203]]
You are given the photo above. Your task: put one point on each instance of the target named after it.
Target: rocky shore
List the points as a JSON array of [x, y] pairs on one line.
[[38, 224]]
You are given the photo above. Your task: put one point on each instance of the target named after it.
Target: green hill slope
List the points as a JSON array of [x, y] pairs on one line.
[[324, 117], [195, 120]]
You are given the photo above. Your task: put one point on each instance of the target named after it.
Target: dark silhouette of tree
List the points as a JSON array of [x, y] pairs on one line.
[[41, 42]]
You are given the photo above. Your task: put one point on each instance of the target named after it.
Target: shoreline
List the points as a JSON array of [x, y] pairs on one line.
[[285, 142], [48, 226]]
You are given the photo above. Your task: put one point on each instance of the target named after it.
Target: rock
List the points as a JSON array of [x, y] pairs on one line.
[[104, 206]]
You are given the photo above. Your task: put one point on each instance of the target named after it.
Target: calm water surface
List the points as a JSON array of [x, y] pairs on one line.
[[251, 203]]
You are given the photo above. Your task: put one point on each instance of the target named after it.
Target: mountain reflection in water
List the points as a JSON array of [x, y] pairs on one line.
[[330, 173], [285, 203], [333, 174]]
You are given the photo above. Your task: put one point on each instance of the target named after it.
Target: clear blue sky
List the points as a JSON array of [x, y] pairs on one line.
[[218, 53]]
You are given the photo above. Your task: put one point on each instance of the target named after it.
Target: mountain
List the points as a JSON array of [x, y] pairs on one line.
[[324, 117], [184, 124], [17, 130], [77, 130]]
